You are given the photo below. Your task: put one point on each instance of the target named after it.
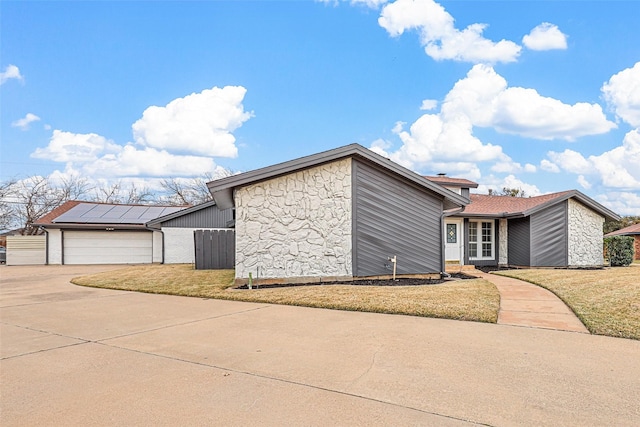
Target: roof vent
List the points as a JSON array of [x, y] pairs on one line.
[[442, 174]]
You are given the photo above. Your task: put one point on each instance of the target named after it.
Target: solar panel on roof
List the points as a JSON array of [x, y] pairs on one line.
[[97, 213], [116, 212], [75, 213]]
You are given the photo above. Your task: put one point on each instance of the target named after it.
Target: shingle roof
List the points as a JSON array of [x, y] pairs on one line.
[[507, 206], [57, 212], [452, 182], [627, 231]]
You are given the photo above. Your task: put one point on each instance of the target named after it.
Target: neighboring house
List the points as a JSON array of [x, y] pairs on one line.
[[554, 230], [101, 233], [178, 228], [336, 215], [633, 231]]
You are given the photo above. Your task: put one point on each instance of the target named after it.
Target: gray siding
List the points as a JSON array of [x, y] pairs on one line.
[[519, 241], [394, 217], [210, 217], [549, 237]]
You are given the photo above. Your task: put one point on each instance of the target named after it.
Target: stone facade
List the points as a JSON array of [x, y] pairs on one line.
[[584, 235], [296, 226], [503, 256]]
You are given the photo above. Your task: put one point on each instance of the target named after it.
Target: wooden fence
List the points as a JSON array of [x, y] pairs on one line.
[[215, 249]]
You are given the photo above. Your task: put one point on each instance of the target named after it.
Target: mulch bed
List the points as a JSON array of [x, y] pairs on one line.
[[376, 282]]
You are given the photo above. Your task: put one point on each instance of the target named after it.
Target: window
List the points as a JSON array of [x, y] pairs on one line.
[[481, 239], [452, 233]]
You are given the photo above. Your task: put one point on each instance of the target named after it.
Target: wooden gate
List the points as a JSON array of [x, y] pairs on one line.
[[215, 249]]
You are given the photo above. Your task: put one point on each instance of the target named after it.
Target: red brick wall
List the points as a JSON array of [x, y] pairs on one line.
[[636, 245]]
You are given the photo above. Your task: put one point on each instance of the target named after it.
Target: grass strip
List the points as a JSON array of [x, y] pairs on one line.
[[472, 300]]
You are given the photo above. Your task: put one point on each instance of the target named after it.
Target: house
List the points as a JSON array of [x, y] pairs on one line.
[[553, 230], [633, 231], [336, 215], [80, 232]]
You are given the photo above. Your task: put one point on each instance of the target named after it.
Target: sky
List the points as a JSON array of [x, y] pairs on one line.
[[543, 95]]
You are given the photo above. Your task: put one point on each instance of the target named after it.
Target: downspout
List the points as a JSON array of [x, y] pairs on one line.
[[443, 239], [46, 246], [153, 230]]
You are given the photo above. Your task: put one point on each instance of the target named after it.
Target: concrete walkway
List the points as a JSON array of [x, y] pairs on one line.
[[528, 305]]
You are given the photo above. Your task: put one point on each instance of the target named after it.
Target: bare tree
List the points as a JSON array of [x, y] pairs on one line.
[[190, 191], [506, 191], [118, 192], [24, 201]]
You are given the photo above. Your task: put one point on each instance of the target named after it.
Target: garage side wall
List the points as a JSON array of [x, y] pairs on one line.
[[54, 246], [585, 236], [296, 226]]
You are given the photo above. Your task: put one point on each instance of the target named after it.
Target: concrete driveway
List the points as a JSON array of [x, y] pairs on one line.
[[80, 356]]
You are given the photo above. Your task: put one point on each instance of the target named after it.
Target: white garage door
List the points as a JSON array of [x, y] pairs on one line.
[[108, 247]]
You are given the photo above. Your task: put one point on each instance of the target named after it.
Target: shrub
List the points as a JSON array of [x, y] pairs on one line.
[[619, 249]]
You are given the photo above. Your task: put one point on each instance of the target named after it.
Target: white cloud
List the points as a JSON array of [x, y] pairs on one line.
[[617, 168], [24, 122], [545, 36], [583, 182], [622, 93], [10, 72], [429, 104], [510, 181], [622, 203], [439, 36], [200, 123], [507, 165], [373, 4], [75, 147], [148, 162], [431, 139], [484, 96], [483, 99], [548, 166], [570, 161], [166, 136]]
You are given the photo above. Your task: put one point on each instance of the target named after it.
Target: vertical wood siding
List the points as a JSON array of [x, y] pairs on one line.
[[215, 249], [519, 241], [549, 237], [392, 217]]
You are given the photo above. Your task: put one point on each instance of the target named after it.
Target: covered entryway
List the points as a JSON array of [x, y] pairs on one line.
[[107, 247], [454, 251]]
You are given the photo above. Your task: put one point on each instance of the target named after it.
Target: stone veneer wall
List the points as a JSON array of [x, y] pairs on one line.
[[585, 236], [503, 256], [296, 226]]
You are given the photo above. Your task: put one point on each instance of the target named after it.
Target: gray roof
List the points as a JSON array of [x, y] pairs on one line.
[[222, 189], [157, 221]]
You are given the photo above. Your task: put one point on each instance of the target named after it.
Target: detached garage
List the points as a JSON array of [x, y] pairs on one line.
[[100, 233]]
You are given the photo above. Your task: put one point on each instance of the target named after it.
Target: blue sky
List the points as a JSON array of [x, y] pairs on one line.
[[544, 96]]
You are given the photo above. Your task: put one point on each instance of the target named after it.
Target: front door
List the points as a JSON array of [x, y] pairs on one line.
[[453, 237]]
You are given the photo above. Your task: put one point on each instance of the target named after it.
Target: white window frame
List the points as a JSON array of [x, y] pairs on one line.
[[478, 243]]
